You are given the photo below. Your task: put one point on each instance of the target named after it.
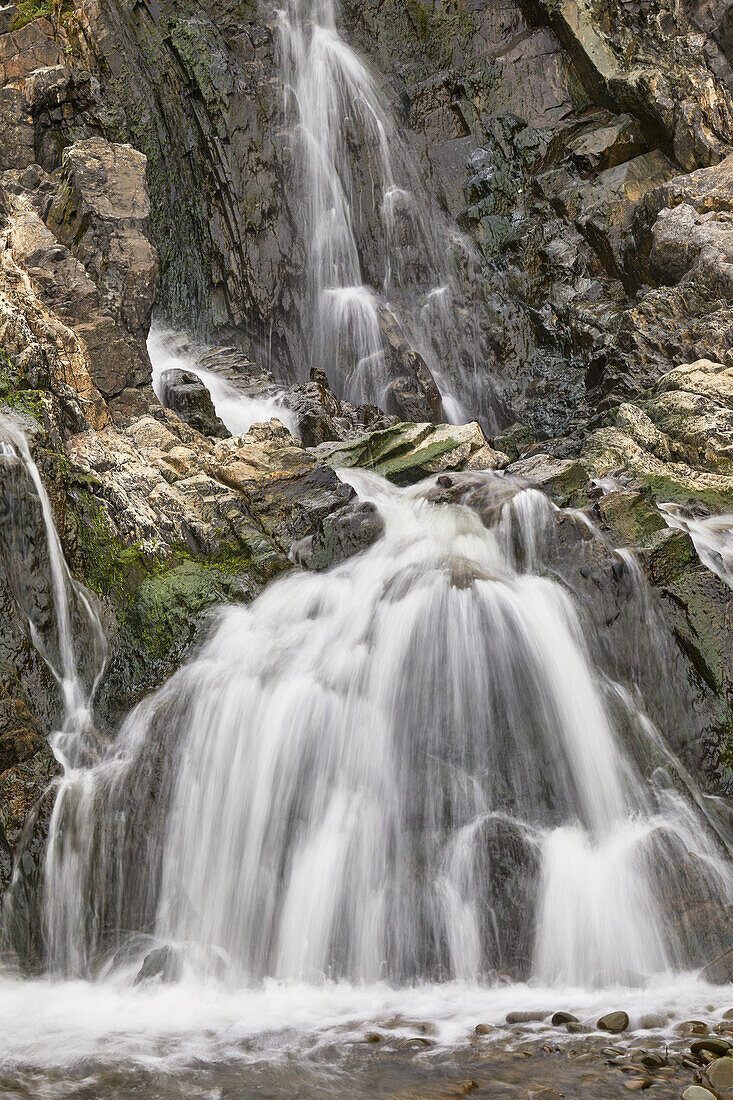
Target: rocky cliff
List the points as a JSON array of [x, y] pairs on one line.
[[586, 151]]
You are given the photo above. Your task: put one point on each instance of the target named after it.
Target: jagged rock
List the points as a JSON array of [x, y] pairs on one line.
[[164, 963], [102, 214], [187, 396], [563, 478], [340, 535], [408, 452]]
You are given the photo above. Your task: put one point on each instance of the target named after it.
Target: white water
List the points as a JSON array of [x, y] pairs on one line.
[[378, 250], [348, 756], [77, 679], [344, 760], [237, 411], [712, 537]]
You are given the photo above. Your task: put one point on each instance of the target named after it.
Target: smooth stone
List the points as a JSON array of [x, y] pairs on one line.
[[611, 1051], [654, 1061], [720, 1074], [697, 1092], [564, 1018], [576, 1028], [372, 1037], [415, 1042], [614, 1021], [484, 1029], [638, 1083], [692, 1027], [713, 1044], [652, 1020], [728, 1014], [525, 1017]]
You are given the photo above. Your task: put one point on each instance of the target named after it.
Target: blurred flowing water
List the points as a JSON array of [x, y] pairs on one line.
[[386, 273], [382, 789]]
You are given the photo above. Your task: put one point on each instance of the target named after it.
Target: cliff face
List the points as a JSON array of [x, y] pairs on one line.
[[585, 150]]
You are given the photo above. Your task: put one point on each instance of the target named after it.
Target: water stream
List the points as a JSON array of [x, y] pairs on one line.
[[384, 267]]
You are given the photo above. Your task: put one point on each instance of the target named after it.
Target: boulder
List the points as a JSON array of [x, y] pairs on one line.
[[408, 452], [187, 396]]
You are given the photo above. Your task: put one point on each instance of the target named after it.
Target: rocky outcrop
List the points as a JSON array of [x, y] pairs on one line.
[[408, 452]]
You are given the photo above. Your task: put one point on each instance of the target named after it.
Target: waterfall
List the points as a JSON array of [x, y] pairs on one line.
[[406, 769], [384, 268], [76, 674], [73, 645]]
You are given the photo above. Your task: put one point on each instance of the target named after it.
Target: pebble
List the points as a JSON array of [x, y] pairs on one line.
[[614, 1021], [564, 1018], [638, 1083], [484, 1029], [612, 1050], [654, 1061], [372, 1037], [728, 1014], [576, 1028], [697, 1092], [525, 1017], [720, 1074]]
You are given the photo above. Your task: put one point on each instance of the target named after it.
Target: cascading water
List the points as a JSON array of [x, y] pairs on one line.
[[711, 535], [383, 265], [237, 411], [403, 770], [71, 641], [77, 678]]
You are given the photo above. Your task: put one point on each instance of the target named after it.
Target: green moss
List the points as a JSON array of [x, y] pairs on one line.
[[15, 395], [666, 489], [59, 11]]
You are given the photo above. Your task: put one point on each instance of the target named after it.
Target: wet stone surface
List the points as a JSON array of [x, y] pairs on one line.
[[401, 1060]]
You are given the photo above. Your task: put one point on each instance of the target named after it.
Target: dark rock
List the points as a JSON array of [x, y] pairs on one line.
[[525, 1017], [164, 963], [187, 396], [711, 1044], [340, 535], [563, 1018]]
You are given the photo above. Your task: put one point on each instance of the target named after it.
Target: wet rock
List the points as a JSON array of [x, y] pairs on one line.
[[340, 535], [409, 452], [484, 1029], [692, 1027], [164, 963], [720, 1075], [637, 1084], [613, 1021], [102, 214], [712, 1045], [563, 1018], [187, 396], [698, 1092], [525, 1017], [562, 478], [652, 1020], [720, 970]]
